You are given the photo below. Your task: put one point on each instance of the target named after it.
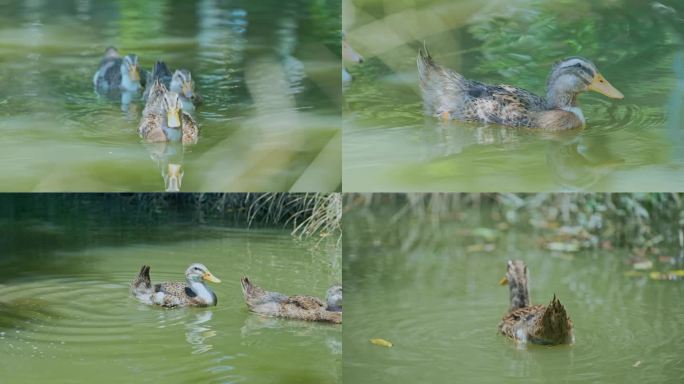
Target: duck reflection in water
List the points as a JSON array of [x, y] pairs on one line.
[[169, 159], [574, 160], [199, 331]]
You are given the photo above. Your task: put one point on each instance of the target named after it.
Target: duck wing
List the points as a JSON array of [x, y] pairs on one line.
[[498, 104], [108, 76], [515, 323], [306, 302], [190, 129]]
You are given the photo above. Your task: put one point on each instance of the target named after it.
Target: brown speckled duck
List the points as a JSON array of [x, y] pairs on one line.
[[163, 118], [448, 95], [538, 324], [191, 293], [307, 308]]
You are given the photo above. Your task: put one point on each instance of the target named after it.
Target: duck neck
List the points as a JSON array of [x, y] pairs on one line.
[[560, 98], [203, 292], [565, 100], [172, 134], [520, 296]]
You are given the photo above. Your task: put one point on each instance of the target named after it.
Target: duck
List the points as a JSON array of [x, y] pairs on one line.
[[191, 293], [537, 324], [298, 307], [164, 120], [118, 73], [450, 96], [180, 82]]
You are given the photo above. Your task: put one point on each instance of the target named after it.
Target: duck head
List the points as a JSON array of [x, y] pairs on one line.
[[198, 273], [181, 82], [172, 106], [516, 278], [334, 298], [111, 53], [573, 75], [131, 67]]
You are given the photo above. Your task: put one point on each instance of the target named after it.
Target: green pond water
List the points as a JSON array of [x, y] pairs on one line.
[[269, 73], [440, 305], [66, 315], [634, 144]]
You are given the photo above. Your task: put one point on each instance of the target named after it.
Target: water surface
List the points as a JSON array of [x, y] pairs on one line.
[[269, 74], [66, 315], [635, 144], [438, 301]]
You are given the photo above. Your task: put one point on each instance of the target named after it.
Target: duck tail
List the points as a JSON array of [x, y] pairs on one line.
[[160, 71], [554, 326], [247, 286], [142, 282], [439, 86], [331, 317], [424, 63]]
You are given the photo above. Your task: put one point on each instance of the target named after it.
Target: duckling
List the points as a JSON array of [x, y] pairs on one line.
[[450, 96], [118, 73], [180, 82], [307, 308], [538, 324], [192, 293], [164, 120]]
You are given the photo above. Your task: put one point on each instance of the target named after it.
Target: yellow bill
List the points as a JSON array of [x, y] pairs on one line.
[[503, 281], [133, 73], [209, 277], [187, 89], [602, 86], [173, 118]]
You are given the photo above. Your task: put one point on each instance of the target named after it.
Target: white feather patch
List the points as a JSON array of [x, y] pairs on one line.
[[577, 111]]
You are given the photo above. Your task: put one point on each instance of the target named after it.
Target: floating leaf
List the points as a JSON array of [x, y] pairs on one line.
[[381, 342], [674, 275], [637, 364]]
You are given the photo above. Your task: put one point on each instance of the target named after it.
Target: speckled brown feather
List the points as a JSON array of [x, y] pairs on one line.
[[543, 324], [276, 304], [176, 295], [539, 324]]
